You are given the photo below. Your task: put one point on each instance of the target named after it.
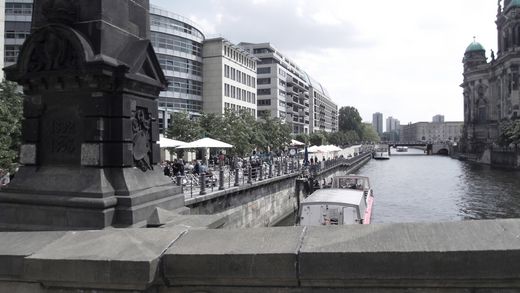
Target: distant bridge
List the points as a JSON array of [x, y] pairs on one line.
[[431, 148]]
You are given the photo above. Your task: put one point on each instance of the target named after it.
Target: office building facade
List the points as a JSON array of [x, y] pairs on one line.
[[432, 132], [283, 88], [178, 43], [377, 122], [17, 26], [229, 78], [323, 111]]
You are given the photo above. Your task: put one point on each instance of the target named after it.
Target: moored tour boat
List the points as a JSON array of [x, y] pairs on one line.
[[348, 201], [402, 149], [381, 152]]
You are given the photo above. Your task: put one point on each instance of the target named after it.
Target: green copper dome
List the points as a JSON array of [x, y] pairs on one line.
[[475, 46], [514, 3]]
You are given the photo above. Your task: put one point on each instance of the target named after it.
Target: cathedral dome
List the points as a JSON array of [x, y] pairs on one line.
[[514, 3], [476, 46]]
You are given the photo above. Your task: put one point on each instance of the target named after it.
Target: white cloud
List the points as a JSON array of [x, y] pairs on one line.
[[402, 58]]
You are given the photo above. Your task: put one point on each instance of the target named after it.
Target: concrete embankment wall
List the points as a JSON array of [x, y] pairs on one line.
[[259, 204], [264, 203], [459, 257]]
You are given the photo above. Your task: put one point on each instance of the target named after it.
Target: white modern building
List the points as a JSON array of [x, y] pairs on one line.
[[229, 77], [323, 111], [283, 88]]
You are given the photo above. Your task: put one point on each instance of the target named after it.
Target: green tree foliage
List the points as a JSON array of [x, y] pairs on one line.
[[11, 110], [349, 119], [338, 138], [277, 135], [318, 138], [302, 137], [370, 134], [510, 133], [183, 128], [237, 128]]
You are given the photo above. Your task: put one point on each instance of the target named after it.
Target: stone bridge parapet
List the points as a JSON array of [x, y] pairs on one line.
[[469, 256]]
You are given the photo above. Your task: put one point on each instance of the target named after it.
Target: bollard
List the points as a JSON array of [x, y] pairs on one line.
[[250, 174], [261, 171], [202, 184], [179, 179], [221, 178], [236, 177], [271, 170]]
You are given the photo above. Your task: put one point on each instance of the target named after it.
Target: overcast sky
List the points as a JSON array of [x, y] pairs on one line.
[[402, 57]]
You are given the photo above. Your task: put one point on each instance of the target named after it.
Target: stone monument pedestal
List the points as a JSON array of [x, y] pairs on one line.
[[91, 82]]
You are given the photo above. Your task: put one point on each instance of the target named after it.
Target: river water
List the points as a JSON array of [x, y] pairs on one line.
[[413, 187]]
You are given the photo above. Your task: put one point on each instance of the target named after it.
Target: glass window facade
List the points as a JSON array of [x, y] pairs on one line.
[[175, 43], [184, 86], [173, 24], [11, 53], [181, 65], [18, 9]]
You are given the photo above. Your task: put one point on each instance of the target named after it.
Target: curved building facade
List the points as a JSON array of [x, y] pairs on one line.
[[178, 44]]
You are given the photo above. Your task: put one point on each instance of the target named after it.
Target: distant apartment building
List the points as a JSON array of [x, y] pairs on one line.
[[438, 119], [392, 124], [283, 88], [433, 132], [377, 122], [229, 77], [323, 111]]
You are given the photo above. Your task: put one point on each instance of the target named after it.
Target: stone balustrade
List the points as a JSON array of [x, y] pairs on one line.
[[470, 256]]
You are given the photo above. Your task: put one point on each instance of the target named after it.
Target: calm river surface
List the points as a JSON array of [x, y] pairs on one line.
[[411, 187]]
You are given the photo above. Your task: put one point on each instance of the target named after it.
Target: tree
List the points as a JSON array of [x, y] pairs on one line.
[[317, 138], [302, 137], [352, 137], [337, 138], [183, 128], [349, 119], [369, 133], [11, 110], [510, 133], [277, 135]]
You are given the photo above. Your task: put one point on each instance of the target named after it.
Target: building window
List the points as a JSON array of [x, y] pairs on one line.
[[264, 70], [175, 43], [264, 102], [226, 71], [264, 92], [181, 65], [184, 86], [226, 90], [18, 9], [168, 23], [264, 81]]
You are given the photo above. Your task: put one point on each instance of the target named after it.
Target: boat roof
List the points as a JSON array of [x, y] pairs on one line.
[[335, 196]]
